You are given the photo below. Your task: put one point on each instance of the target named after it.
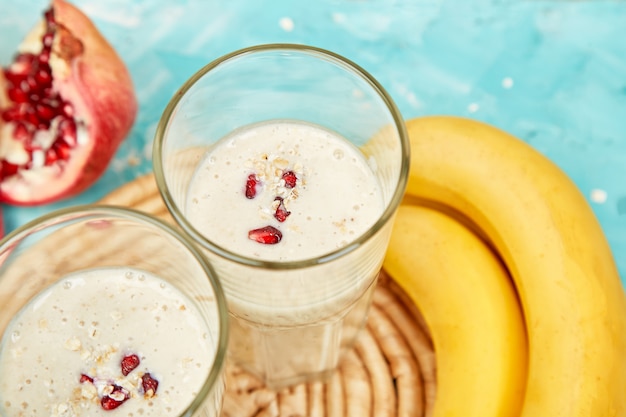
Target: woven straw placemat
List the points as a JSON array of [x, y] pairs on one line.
[[390, 372]]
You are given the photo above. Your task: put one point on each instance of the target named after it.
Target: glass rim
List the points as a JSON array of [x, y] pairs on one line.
[[86, 210], [170, 110]]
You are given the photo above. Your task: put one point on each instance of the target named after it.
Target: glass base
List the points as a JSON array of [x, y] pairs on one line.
[[285, 356]]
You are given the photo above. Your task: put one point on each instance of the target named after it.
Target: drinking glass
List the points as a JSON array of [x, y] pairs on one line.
[[68, 246], [291, 320]]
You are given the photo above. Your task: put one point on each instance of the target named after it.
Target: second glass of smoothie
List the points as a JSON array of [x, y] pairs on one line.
[[108, 311], [286, 163]]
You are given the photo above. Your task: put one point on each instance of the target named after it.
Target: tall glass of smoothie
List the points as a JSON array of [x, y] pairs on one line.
[[108, 312], [286, 163]]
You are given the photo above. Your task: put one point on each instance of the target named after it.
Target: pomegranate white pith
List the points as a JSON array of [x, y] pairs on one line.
[[66, 103]]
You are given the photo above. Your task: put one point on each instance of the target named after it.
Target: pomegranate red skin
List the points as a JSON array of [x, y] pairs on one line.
[[99, 86]]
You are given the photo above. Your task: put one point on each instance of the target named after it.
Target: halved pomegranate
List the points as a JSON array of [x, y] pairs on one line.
[[66, 103]]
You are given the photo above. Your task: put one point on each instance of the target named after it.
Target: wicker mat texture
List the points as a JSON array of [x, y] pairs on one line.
[[390, 372]]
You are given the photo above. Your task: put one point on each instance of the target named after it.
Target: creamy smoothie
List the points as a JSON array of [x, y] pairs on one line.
[[289, 191], [105, 342], [312, 186]]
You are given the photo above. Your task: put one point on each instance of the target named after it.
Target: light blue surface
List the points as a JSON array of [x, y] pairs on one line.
[[550, 72]]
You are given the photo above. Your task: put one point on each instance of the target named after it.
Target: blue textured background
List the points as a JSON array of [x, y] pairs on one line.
[[550, 72]]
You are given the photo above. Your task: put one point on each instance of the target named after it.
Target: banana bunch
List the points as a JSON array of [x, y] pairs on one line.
[[514, 277]]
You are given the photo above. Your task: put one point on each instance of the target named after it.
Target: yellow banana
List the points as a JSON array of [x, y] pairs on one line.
[[471, 309], [537, 219]]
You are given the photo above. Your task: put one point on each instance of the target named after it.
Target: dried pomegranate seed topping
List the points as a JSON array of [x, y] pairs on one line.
[[149, 384], [116, 398], [117, 394], [268, 235], [85, 378], [109, 403], [129, 363], [281, 212], [251, 184], [290, 179]]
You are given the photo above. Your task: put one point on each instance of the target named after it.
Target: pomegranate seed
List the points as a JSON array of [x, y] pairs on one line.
[[116, 398], [44, 57], [17, 95], [268, 235], [61, 150], [47, 39], [25, 57], [13, 78], [49, 16], [281, 212], [251, 184], [67, 110], [22, 132], [30, 83], [8, 169], [45, 112], [67, 131], [85, 378], [149, 384], [10, 114], [290, 179], [43, 76], [30, 117], [51, 157], [108, 403], [29, 147], [129, 363], [22, 65]]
